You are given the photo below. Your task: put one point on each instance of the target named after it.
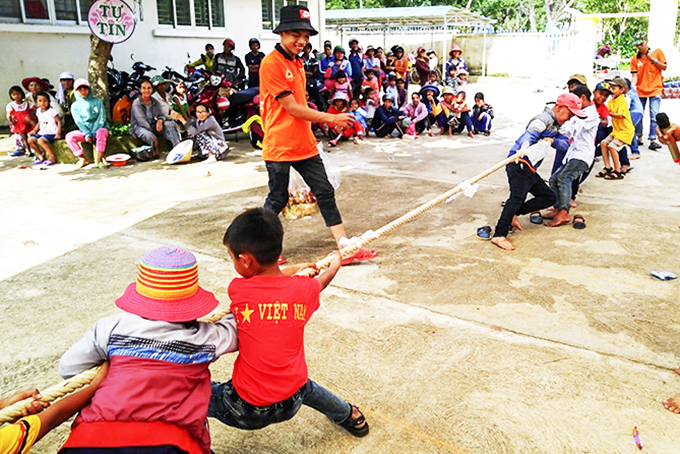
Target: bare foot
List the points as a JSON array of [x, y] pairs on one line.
[[677, 370], [516, 224], [572, 204], [550, 214], [672, 404], [503, 243], [561, 218]]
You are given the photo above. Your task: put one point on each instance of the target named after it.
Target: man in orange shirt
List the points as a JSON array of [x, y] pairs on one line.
[[646, 67], [289, 141]]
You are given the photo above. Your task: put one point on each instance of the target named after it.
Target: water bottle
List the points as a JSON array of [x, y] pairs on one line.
[[664, 124]]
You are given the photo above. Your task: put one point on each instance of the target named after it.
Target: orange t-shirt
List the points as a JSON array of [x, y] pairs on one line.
[[401, 66], [286, 138], [649, 78]]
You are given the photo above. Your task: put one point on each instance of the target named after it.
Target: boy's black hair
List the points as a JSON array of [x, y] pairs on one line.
[[16, 89], [43, 94], [479, 95], [582, 90], [209, 45], [354, 99], [340, 73], [257, 231]]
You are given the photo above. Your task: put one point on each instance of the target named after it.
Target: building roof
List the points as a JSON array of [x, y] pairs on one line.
[[437, 16]]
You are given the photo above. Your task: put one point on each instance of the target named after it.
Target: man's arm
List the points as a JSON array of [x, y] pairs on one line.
[[305, 113]]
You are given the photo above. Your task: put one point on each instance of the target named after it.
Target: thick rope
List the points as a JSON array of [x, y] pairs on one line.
[[16, 411]]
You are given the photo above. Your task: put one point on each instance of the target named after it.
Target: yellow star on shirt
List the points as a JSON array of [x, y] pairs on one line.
[[246, 314]]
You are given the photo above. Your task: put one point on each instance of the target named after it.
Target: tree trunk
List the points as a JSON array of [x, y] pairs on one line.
[[100, 51], [532, 16]]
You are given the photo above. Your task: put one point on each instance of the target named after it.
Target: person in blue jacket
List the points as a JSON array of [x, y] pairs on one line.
[[89, 116], [387, 120], [523, 176]]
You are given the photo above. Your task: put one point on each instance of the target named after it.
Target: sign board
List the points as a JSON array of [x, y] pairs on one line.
[[112, 21]]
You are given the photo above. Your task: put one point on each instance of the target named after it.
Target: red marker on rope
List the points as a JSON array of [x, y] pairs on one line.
[[636, 437]]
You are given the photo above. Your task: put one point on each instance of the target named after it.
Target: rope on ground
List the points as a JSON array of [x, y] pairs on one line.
[[16, 411]]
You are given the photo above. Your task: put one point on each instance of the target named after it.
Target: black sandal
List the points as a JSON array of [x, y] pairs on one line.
[[604, 172], [615, 176], [351, 425]]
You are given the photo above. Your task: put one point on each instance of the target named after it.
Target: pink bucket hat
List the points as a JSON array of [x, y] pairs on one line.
[[167, 288]]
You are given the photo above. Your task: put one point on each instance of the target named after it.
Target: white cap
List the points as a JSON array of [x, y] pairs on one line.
[[81, 83], [66, 75]]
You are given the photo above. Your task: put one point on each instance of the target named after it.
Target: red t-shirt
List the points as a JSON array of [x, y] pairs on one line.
[[271, 314], [602, 111]]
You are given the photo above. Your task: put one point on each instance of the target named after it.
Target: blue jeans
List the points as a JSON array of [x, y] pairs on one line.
[[637, 121], [228, 407], [561, 182], [654, 106], [314, 174]]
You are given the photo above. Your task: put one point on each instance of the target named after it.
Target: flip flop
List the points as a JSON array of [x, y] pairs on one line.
[[536, 218], [484, 233], [281, 260], [359, 256], [579, 223]]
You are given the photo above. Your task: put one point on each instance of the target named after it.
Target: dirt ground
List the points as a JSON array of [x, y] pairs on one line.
[[448, 344]]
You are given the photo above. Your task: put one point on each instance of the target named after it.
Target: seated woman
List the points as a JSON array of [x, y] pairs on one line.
[[35, 85], [207, 134], [147, 121], [89, 116], [161, 93], [417, 112]]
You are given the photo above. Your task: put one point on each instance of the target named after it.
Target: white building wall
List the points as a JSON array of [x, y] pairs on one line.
[[47, 50]]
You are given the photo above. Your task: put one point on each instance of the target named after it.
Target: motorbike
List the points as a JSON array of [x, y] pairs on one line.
[[123, 88]]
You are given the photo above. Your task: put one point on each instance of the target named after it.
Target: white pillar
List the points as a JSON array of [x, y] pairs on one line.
[[321, 13], [484, 57]]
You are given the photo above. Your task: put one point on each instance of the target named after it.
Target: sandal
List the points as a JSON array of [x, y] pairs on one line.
[[604, 172], [359, 256], [536, 218], [351, 425], [579, 223], [484, 233], [615, 176]]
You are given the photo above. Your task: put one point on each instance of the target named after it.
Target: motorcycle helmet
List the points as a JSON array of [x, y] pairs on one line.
[[222, 103], [253, 41], [215, 80]]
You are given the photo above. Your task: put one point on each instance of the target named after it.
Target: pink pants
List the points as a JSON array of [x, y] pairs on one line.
[[74, 138]]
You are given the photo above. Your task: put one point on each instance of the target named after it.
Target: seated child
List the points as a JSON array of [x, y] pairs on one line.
[[369, 104], [622, 132], [339, 105], [461, 77], [523, 177], [402, 100], [430, 95], [451, 80], [388, 120], [447, 119], [462, 112], [46, 131], [207, 134], [156, 394], [20, 118], [433, 79], [371, 81], [19, 437], [391, 88], [316, 126], [341, 85], [482, 114], [359, 117], [270, 381]]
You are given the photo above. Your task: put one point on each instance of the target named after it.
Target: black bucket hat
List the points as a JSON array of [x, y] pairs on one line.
[[295, 17]]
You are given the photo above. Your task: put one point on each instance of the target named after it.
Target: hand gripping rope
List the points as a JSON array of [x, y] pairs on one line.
[[16, 411]]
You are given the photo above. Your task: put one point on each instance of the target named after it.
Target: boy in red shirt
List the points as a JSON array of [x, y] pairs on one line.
[[270, 380]]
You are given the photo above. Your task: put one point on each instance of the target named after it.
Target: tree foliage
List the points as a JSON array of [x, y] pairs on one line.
[[532, 15]]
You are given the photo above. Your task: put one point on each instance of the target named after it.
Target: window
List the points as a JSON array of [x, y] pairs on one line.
[[203, 13], [41, 11], [271, 11]]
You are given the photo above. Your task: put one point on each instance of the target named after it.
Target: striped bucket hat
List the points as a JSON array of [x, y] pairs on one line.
[[167, 288]]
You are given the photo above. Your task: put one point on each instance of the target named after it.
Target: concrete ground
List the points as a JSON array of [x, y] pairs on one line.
[[448, 344]]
